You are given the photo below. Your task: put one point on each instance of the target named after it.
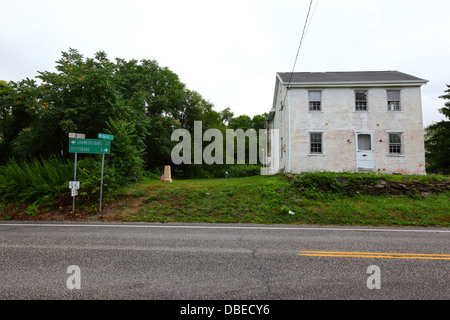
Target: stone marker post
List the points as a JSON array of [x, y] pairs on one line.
[[167, 174]]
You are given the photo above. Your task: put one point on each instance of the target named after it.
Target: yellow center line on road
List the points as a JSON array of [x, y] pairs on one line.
[[375, 255]]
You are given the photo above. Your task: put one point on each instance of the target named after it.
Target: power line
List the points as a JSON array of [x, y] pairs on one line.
[[305, 28], [312, 15]]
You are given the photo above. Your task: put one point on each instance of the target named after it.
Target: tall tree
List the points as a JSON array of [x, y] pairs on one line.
[[23, 112], [79, 97], [226, 115], [243, 122], [85, 93], [6, 102], [437, 141], [140, 102], [156, 97], [259, 121]]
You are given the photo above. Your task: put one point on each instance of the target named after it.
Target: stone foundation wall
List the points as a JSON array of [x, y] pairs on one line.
[[376, 186], [398, 188]]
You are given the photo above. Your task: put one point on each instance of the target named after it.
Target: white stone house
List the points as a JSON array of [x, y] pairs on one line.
[[346, 122]]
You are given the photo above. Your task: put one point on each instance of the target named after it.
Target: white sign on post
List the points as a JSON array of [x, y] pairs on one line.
[[74, 184], [73, 135]]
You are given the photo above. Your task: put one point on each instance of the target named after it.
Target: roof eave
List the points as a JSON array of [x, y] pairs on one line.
[[271, 115], [412, 83], [278, 81]]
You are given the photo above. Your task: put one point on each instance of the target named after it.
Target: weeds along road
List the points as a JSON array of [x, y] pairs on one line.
[[219, 261]]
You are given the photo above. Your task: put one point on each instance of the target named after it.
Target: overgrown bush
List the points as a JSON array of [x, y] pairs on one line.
[[89, 175], [28, 181], [244, 170], [319, 181], [328, 185], [45, 181], [126, 156], [198, 171]]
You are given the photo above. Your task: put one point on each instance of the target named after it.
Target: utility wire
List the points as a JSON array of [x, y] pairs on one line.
[[305, 28]]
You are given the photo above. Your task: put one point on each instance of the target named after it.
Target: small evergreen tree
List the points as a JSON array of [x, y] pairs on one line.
[[437, 141]]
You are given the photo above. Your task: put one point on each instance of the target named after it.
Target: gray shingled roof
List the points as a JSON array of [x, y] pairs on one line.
[[353, 76]]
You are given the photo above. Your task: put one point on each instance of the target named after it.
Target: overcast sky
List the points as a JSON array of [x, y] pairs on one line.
[[230, 51]]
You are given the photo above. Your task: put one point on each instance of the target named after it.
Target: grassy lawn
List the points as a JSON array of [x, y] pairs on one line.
[[273, 200]]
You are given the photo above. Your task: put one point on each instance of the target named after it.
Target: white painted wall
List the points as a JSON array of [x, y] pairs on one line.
[[338, 121]]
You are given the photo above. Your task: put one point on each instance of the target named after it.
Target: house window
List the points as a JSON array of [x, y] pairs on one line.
[[315, 99], [361, 100], [395, 143], [393, 100], [315, 143]]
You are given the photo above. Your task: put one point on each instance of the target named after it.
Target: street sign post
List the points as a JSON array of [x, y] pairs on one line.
[[76, 136], [107, 138], [78, 144]]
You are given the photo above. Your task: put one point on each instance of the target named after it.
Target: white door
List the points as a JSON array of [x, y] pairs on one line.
[[365, 157]]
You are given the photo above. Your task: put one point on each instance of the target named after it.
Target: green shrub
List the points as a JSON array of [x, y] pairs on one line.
[[126, 156], [48, 179], [244, 170], [28, 181], [32, 210], [321, 181], [331, 185]]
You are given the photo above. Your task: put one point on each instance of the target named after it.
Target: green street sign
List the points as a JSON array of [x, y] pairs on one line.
[[105, 136], [89, 146]]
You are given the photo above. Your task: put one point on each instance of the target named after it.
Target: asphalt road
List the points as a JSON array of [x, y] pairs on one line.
[[221, 262]]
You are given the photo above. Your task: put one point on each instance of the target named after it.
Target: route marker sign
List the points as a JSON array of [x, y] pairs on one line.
[[74, 184], [93, 146]]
